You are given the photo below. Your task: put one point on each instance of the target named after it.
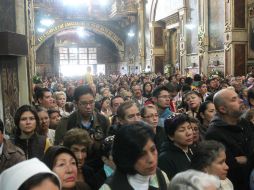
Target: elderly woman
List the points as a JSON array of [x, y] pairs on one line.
[[79, 142], [63, 162], [194, 180], [135, 157], [210, 158]]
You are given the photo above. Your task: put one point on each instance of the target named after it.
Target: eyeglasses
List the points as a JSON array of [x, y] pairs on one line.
[[84, 103]]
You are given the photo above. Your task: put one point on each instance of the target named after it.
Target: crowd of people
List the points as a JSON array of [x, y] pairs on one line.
[[146, 131]]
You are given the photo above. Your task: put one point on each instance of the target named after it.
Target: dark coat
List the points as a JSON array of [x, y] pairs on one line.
[[32, 147], [238, 141], [11, 155], [74, 121], [99, 123], [173, 160]]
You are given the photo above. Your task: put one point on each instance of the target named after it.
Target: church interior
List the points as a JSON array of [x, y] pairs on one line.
[[65, 38]]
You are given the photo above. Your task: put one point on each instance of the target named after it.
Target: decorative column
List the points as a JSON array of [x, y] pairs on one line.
[[236, 37], [182, 32], [157, 49], [141, 36], [202, 36], [13, 49]]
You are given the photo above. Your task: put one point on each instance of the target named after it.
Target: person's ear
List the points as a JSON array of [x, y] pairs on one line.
[[202, 115], [171, 137], [222, 110]]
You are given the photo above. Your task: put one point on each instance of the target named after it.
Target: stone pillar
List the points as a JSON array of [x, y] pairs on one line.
[[182, 21], [236, 37], [13, 49], [203, 36], [141, 44]]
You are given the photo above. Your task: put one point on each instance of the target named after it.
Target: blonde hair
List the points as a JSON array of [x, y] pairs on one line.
[[59, 93]]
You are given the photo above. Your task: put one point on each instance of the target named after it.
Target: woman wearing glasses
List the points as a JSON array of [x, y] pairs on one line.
[[150, 115], [175, 153], [135, 156]]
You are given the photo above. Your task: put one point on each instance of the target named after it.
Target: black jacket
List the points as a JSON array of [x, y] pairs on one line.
[[238, 141], [173, 160], [32, 147]]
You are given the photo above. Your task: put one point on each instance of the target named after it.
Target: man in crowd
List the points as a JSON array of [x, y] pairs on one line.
[[85, 117], [227, 128], [44, 97], [161, 99]]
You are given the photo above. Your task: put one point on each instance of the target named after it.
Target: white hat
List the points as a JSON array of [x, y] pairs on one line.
[[13, 177]]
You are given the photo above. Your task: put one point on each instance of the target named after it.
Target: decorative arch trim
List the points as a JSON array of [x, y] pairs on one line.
[[91, 26]]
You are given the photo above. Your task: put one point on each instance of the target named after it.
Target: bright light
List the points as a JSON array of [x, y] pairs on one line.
[[190, 26], [47, 22], [131, 34], [74, 2], [81, 32], [41, 30], [75, 70], [103, 2]]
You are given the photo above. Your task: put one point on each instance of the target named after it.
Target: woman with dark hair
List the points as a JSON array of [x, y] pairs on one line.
[[193, 100], [205, 114], [147, 90], [29, 175], [210, 158], [26, 137], [250, 97], [135, 156], [63, 162], [175, 155]]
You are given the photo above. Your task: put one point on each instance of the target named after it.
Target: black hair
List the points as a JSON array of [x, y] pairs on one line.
[[82, 90], [172, 123], [250, 95], [188, 80], [39, 92], [144, 86], [53, 151], [1, 126], [172, 87], [128, 145], [197, 77], [206, 152], [37, 179], [158, 90], [51, 111], [202, 108], [113, 98], [186, 87], [19, 113]]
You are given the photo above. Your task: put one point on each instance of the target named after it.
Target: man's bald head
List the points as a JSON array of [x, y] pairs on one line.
[[227, 102], [219, 98]]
